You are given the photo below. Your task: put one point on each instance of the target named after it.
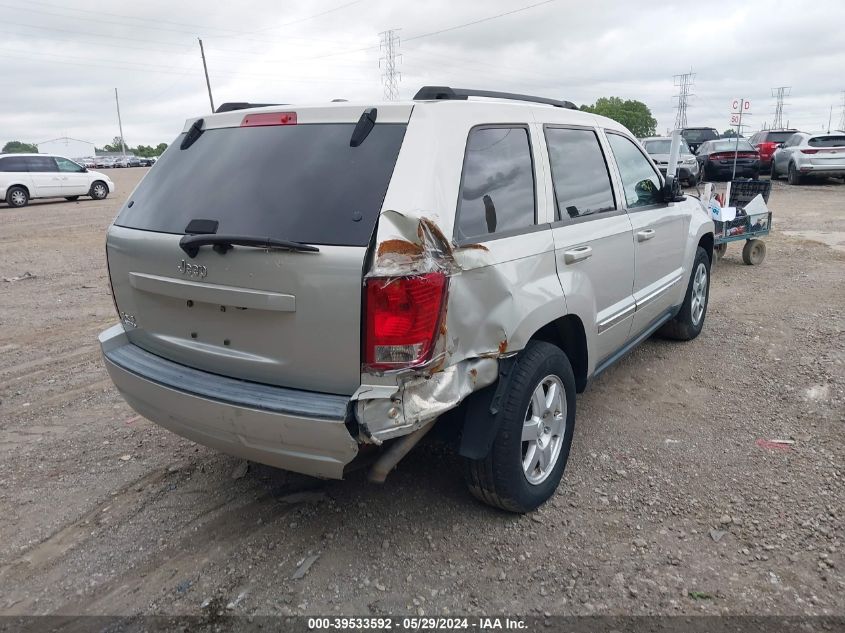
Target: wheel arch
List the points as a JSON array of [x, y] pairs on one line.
[[706, 242], [568, 333], [18, 184]]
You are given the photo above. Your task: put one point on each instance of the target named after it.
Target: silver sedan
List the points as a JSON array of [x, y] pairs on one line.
[[804, 155]]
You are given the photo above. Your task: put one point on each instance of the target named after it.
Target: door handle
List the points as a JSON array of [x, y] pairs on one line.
[[643, 236], [577, 254]]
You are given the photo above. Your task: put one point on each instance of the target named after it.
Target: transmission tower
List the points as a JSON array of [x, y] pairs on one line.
[[779, 93], [684, 83], [390, 55]]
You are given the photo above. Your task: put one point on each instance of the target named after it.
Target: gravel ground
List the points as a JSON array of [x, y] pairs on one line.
[[673, 502]]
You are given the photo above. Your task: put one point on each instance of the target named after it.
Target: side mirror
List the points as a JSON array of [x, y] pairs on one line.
[[672, 190]]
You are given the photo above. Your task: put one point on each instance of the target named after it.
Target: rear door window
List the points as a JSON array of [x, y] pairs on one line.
[[579, 173], [41, 164], [294, 182], [497, 185]]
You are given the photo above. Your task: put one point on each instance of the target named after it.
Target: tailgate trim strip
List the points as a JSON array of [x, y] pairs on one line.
[[212, 293], [242, 393]]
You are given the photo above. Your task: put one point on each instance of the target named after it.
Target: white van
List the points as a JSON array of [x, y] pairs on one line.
[[27, 176]]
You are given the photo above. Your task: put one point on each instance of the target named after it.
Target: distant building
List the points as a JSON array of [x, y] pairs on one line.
[[67, 147]]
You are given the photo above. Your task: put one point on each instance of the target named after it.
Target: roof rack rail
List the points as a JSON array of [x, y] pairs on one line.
[[242, 105], [460, 94]]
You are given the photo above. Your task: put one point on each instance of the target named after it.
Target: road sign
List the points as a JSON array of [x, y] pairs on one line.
[[741, 105]]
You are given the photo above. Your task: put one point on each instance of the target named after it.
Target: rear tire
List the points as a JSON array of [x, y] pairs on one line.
[[72, 198], [17, 197], [99, 190], [530, 451], [793, 176], [688, 322], [754, 252], [774, 172]]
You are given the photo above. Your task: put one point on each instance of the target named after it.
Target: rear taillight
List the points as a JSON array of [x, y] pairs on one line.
[[402, 316], [809, 151], [269, 118]]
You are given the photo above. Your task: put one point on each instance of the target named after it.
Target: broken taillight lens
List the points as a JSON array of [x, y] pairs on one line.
[[402, 316]]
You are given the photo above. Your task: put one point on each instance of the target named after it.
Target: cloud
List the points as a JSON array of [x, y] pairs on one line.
[[61, 64]]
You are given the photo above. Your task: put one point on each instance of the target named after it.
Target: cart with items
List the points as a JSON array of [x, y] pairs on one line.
[[751, 222]]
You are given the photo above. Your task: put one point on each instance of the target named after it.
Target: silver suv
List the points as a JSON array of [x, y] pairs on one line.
[[313, 287]]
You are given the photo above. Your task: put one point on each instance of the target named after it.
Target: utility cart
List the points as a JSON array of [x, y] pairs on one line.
[[749, 227]]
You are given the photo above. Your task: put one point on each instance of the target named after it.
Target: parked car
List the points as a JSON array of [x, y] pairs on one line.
[[24, 177], [146, 161], [806, 155], [88, 163], [120, 161], [716, 159], [658, 148], [100, 162], [766, 142], [695, 136], [481, 258], [133, 161]]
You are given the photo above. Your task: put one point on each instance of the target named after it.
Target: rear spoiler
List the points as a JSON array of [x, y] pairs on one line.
[[243, 105]]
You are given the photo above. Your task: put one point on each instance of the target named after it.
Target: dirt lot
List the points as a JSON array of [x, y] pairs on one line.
[[669, 505]]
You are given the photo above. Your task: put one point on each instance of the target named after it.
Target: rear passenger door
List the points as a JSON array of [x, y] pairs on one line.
[[592, 234], [508, 278], [44, 175], [659, 228]]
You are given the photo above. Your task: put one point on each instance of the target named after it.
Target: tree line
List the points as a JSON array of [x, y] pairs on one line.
[[144, 151]]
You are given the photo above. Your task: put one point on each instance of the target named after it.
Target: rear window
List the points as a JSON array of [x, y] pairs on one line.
[[663, 146], [826, 141], [294, 182], [730, 145], [777, 137], [699, 136]]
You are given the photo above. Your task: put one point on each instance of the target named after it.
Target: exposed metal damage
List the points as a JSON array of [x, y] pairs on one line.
[[393, 404]]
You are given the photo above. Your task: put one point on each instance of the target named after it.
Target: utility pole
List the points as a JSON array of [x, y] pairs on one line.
[[207, 82], [390, 77], [842, 116], [779, 93], [120, 124], [684, 83]]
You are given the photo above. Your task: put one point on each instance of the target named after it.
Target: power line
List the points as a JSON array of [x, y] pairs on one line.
[[193, 27], [390, 76], [779, 93], [479, 21], [684, 83]]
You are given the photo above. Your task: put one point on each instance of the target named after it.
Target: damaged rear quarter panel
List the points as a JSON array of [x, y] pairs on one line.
[[501, 291]]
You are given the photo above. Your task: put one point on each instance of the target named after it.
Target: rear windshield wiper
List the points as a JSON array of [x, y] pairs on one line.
[[223, 243]]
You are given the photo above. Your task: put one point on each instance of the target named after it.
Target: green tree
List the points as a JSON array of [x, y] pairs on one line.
[[115, 145], [729, 133], [18, 147], [160, 149], [634, 115]]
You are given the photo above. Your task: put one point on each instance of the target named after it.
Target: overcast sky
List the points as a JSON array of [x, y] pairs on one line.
[[61, 61]]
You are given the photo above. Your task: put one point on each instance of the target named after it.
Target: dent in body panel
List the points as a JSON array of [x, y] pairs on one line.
[[498, 297]]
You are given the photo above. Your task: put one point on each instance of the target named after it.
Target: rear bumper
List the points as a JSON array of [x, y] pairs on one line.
[[301, 431], [823, 170]]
